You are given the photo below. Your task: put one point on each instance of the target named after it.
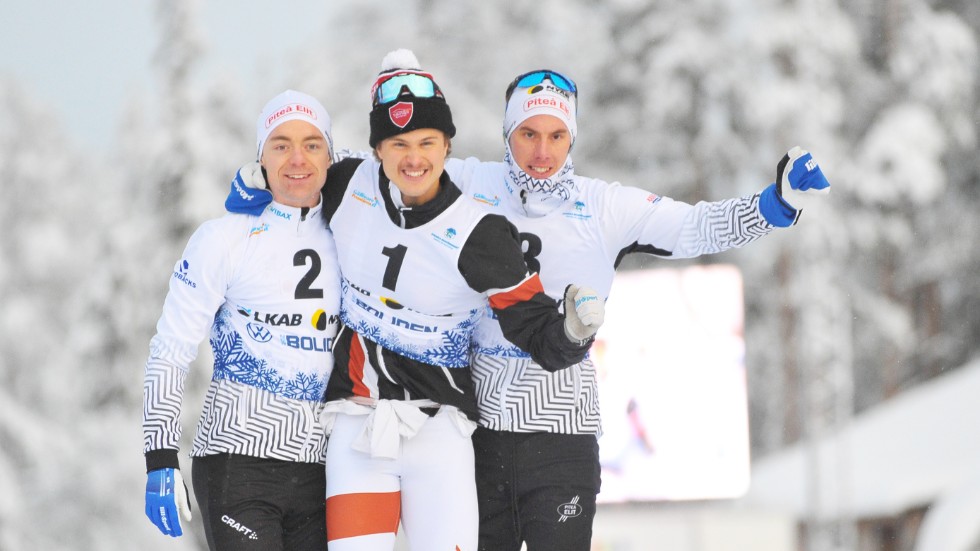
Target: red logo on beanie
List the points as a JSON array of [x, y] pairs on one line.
[[545, 101], [401, 113], [289, 109]]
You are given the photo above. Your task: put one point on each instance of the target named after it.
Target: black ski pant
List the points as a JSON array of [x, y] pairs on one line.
[[255, 504], [538, 488]]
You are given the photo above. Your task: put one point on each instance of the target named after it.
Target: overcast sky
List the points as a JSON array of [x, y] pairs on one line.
[[88, 58]]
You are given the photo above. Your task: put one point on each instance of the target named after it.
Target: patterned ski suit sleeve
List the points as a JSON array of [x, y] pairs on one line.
[[640, 221], [197, 288]]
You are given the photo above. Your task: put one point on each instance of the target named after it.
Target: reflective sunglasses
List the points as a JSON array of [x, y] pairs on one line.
[[534, 78], [419, 85]]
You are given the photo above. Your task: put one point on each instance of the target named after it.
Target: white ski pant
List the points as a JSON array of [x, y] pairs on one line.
[[428, 484]]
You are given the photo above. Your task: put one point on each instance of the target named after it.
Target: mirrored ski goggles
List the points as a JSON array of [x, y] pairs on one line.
[[419, 85], [527, 80]]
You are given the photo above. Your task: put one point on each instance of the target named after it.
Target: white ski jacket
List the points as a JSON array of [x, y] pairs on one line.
[[266, 289], [582, 240]]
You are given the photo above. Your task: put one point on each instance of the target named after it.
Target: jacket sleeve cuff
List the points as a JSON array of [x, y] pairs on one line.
[[161, 459], [775, 209]]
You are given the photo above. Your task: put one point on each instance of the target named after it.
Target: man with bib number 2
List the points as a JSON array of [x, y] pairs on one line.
[[265, 285]]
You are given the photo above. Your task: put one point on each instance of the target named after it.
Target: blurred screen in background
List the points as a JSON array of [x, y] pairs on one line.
[[670, 359]]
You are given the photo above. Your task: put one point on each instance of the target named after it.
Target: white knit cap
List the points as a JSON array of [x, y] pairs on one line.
[[292, 105], [541, 99]]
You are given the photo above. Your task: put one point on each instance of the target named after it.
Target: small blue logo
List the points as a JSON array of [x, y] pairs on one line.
[[182, 273], [481, 198], [279, 213], [579, 211], [446, 240], [364, 198], [258, 332]]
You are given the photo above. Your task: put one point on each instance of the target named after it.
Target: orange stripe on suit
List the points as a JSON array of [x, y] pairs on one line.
[[523, 292], [356, 367], [352, 515]]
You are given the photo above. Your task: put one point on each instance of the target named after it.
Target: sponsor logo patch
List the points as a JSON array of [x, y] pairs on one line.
[[480, 198], [181, 273], [391, 303], [241, 190], [401, 113], [447, 238], [569, 510], [578, 211], [364, 198], [234, 524], [307, 343], [280, 213], [258, 332], [321, 320], [291, 108], [535, 102]]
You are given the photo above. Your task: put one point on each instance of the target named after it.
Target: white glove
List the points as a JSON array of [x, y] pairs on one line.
[[584, 313]]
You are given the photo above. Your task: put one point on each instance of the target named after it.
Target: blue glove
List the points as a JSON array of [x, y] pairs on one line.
[[166, 500], [248, 193], [798, 180]]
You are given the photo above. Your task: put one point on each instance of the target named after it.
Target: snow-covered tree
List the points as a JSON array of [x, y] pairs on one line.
[[695, 100], [914, 173]]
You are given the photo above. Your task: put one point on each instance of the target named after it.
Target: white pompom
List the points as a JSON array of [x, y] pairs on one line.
[[400, 59]]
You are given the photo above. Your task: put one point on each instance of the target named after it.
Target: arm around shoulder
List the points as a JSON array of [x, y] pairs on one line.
[[492, 262]]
